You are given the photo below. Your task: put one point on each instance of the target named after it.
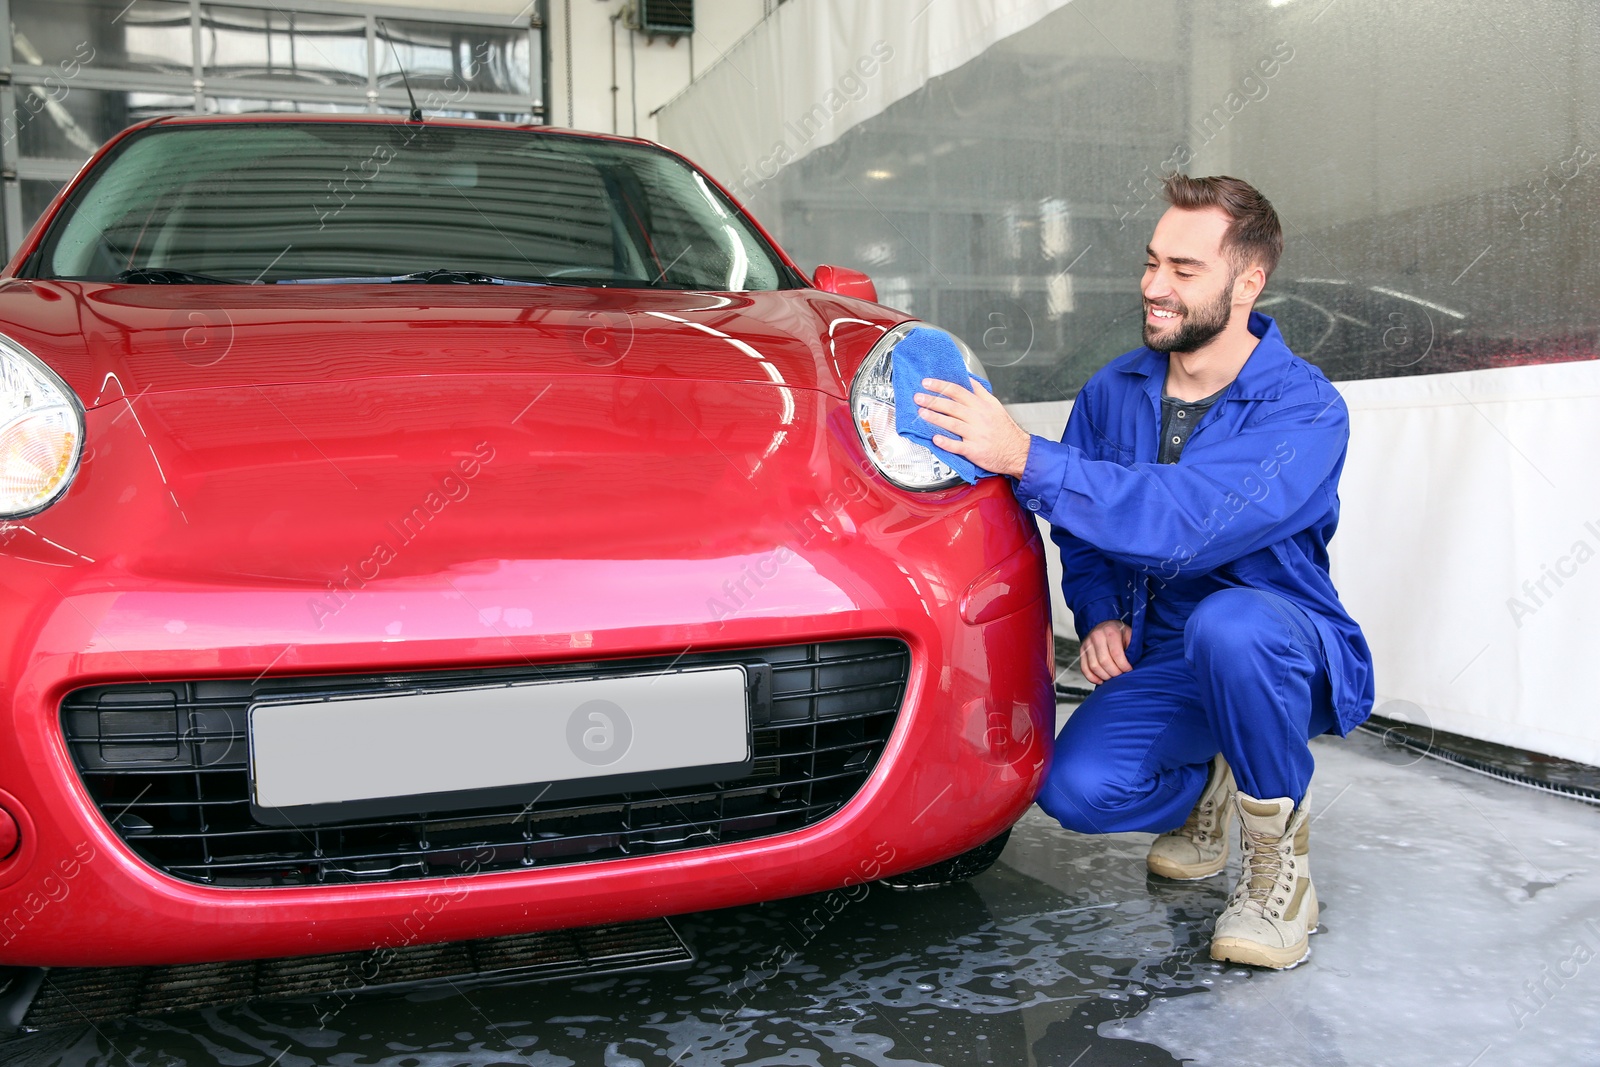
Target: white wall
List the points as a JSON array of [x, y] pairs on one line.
[[649, 72]]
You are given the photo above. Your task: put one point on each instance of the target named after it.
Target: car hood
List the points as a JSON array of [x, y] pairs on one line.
[[304, 479], [111, 341]]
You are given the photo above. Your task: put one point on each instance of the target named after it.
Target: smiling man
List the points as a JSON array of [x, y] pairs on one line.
[[1193, 496]]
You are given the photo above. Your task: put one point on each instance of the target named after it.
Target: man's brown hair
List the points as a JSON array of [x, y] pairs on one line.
[[1254, 234]]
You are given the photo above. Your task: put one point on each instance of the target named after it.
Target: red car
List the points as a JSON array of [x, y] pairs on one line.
[[422, 531]]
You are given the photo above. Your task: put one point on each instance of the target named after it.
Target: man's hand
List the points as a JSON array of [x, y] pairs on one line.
[[988, 436], [1105, 651]]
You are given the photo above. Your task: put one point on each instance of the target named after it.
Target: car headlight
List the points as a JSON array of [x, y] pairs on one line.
[[41, 433], [904, 462]]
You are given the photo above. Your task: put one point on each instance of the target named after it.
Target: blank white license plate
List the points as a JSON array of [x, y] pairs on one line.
[[338, 750]]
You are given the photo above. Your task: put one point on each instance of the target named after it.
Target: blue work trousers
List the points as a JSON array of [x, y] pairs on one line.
[[1245, 677]]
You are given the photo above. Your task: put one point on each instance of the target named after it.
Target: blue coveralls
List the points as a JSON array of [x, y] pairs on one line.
[[1219, 563]]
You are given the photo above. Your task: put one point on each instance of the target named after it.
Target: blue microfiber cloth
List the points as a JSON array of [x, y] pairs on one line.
[[925, 353]]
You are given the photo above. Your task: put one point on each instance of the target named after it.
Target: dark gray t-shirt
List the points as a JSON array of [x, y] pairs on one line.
[[1172, 600], [1178, 419]]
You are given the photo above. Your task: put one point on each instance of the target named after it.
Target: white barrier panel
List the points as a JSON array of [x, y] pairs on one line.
[[1469, 549]]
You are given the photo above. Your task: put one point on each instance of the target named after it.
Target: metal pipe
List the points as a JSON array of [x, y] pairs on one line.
[[614, 88], [566, 27]]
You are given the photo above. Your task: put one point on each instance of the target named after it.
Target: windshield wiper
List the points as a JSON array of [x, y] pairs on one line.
[[441, 276], [168, 276], [445, 276]]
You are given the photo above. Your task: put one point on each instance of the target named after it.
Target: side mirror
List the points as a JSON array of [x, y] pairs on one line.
[[842, 281]]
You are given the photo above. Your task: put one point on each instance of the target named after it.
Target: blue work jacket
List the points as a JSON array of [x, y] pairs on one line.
[[1252, 501]]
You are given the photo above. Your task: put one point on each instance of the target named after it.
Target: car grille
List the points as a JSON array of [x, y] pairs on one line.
[[167, 764]]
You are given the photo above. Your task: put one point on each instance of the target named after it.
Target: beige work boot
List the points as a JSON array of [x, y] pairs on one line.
[[1273, 910], [1198, 848]]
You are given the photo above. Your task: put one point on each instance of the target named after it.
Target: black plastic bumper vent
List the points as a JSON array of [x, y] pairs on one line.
[[167, 764]]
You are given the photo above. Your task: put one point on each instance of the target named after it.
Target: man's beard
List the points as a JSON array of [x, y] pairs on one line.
[[1200, 325]]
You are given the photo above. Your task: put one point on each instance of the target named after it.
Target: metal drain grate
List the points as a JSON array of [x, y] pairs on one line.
[[75, 996]]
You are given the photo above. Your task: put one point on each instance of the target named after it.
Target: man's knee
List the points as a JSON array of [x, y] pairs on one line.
[[1079, 795], [1229, 623]]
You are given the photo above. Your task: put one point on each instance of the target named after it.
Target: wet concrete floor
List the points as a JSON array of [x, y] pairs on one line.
[[1461, 926]]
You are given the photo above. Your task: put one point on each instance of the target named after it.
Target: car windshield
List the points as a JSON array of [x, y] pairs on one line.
[[276, 203]]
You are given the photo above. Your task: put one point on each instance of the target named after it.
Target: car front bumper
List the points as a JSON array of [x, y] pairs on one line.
[[959, 580]]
